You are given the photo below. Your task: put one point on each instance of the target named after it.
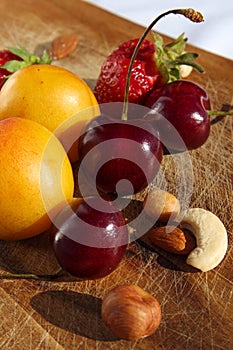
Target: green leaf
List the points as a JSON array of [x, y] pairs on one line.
[[14, 65], [27, 57], [45, 58], [21, 52], [174, 74], [159, 57], [188, 56], [169, 57], [188, 60], [176, 47]]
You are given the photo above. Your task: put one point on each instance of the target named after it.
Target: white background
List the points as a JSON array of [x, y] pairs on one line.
[[215, 34]]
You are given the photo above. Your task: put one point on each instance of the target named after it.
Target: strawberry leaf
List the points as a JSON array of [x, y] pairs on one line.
[[188, 60], [169, 57], [26, 57], [20, 51], [14, 65], [174, 74], [159, 57], [46, 58], [176, 47]]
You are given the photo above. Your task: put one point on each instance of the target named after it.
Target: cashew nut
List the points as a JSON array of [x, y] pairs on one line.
[[185, 70], [211, 238]]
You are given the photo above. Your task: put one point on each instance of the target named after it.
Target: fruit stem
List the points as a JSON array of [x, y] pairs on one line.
[[189, 13], [31, 275], [219, 113]]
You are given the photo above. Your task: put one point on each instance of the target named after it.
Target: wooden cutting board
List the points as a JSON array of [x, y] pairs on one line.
[[65, 314]]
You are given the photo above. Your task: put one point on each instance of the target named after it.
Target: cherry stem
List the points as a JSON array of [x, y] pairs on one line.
[[189, 13], [219, 113], [32, 275]]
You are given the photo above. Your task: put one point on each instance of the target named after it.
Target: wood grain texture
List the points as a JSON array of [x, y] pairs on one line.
[[65, 314]]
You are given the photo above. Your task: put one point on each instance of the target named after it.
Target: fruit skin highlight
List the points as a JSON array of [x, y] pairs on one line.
[[36, 178], [92, 247]]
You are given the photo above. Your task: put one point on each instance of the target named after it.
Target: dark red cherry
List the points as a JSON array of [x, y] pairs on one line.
[[184, 105], [89, 241], [120, 156]]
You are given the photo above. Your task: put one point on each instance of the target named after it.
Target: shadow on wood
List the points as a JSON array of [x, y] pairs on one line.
[[74, 312]]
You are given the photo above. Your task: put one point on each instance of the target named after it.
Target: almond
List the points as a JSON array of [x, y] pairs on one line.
[[161, 205], [172, 239], [63, 45]]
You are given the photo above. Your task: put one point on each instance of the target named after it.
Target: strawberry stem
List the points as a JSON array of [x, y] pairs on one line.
[[189, 13]]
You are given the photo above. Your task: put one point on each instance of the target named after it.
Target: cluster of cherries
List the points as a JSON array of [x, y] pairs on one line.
[[133, 152], [122, 155]]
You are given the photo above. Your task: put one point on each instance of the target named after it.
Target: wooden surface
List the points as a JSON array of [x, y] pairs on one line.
[[65, 314]]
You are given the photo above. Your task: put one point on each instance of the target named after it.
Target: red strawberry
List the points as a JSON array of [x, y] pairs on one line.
[[155, 65], [110, 86], [12, 59]]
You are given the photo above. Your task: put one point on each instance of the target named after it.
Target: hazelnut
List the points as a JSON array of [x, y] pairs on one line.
[[130, 312], [161, 205]]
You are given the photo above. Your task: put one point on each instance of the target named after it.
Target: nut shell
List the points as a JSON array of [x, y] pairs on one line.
[[130, 312]]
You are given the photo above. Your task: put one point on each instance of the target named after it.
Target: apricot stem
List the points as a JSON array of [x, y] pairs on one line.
[[189, 13], [32, 275]]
